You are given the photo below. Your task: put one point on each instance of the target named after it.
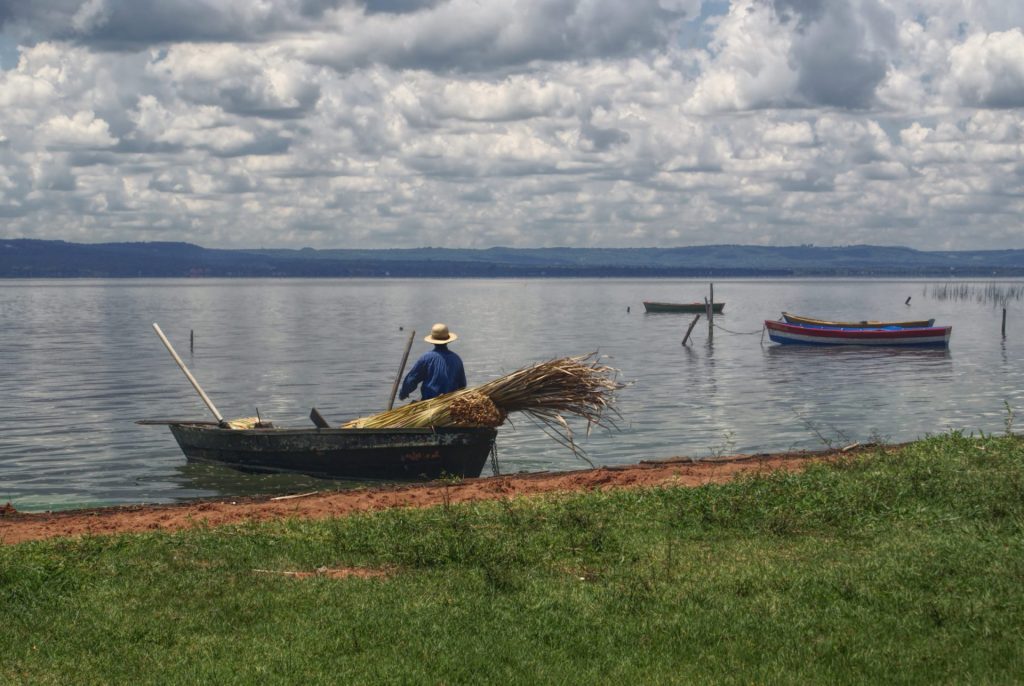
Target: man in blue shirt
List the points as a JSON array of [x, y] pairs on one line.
[[440, 370]]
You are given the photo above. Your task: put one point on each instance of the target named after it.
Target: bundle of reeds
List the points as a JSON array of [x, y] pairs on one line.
[[249, 423], [243, 423], [579, 386]]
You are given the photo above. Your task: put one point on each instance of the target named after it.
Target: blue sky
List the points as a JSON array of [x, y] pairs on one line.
[[476, 123]]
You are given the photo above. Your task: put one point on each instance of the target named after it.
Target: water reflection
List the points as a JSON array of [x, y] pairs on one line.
[[854, 351], [204, 479]]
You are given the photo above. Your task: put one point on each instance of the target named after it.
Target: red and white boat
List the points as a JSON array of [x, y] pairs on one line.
[[805, 334]]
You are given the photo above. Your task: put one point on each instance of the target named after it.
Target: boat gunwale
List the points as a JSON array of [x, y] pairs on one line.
[[330, 431], [864, 324], [854, 333], [717, 303]]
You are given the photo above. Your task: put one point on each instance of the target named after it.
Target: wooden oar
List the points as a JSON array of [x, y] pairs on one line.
[[401, 368], [188, 375]]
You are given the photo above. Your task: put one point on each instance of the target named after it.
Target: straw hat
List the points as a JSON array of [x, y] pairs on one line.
[[439, 335]]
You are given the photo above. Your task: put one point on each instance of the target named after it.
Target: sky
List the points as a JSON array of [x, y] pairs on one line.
[[520, 123]]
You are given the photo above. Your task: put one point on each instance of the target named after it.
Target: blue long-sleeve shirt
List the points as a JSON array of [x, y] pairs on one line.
[[440, 371]]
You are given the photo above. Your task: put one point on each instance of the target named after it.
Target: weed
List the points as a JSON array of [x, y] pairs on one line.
[[876, 438], [827, 441], [998, 295], [728, 445], [447, 481]]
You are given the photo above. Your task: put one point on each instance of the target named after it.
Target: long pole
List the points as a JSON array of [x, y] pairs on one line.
[[711, 314], [401, 368], [188, 374]]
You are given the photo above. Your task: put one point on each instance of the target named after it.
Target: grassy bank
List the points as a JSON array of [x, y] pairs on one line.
[[901, 567]]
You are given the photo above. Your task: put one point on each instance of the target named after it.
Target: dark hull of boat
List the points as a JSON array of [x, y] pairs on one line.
[[695, 308], [398, 454]]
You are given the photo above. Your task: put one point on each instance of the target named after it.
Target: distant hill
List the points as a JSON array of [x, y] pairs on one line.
[[29, 258]]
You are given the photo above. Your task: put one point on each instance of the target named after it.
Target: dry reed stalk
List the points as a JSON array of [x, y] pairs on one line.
[[544, 391], [243, 423]]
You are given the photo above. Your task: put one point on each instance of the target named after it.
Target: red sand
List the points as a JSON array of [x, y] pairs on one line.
[[16, 527]]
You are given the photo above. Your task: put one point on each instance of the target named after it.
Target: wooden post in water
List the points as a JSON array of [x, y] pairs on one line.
[[690, 328], [1004, 322], [191, 340], [711, 315]]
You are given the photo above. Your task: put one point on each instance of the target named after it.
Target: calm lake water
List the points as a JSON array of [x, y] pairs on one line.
[[79, 363]]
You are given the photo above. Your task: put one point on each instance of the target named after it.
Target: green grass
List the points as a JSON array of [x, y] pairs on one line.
[[888, 568]]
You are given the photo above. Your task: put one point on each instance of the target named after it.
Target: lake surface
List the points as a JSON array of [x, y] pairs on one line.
[[79, 363]]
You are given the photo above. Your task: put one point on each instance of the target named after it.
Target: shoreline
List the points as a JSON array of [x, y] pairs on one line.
[[18, 527]]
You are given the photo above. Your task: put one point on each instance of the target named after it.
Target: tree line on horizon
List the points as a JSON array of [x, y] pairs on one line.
[[33, 258]]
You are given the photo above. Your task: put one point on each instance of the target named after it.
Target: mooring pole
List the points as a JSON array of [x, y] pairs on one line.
[[711, 314], [690, 328], [191, 340], [1004, 322]]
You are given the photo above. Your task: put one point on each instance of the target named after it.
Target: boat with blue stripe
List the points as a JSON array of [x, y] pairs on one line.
[[785, 333]]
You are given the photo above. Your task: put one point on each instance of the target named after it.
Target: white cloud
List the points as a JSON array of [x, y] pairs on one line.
[[478, 122], [987, 70], [749, 67], [90, 16], [796, 133], [515, 98], [19, 91], [82, 130], [469, 35], [238, 79]]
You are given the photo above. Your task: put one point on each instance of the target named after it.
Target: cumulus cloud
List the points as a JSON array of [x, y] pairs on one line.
[[83, 130], [135, 24], [478, 123], [748, 66], [466, 35], [987, 70], [790, 133], [515, 98], [841, 52], [238, 79], [797, 53]]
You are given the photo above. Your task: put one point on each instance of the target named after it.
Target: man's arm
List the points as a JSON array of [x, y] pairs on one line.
[[460, 376]]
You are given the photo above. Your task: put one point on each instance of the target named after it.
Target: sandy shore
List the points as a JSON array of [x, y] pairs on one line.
[[16, 527]]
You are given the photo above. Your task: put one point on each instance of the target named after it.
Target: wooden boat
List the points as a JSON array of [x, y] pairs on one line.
[[403, 454], [799, 334], [249, 444], [867, 324], [696, 308]]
